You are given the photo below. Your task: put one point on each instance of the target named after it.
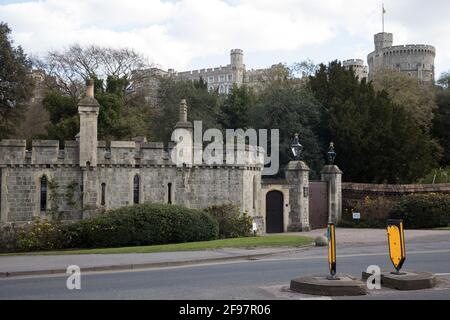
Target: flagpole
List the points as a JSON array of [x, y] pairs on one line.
[[382, 15]]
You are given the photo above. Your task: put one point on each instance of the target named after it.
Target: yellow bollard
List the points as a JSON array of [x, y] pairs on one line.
[[396, 241]]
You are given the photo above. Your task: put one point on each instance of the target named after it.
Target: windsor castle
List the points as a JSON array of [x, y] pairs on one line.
[[89, 176]]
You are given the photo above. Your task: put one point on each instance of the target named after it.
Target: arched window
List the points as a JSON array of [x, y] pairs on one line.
[[103, 200], [169, 193], [44, 189], [136, 189]]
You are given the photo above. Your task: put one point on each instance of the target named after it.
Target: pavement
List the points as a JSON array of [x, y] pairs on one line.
[[374, 236], [353, 239], [255, 279]]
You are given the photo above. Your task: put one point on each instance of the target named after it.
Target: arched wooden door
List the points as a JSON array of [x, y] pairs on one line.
[[274, 212]]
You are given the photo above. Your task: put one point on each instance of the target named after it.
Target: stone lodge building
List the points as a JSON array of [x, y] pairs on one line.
[[89, 176]]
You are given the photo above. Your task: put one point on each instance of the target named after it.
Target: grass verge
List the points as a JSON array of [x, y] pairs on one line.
[[251, 242]]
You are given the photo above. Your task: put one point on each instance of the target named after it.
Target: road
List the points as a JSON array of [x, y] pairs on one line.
[[260, 279]]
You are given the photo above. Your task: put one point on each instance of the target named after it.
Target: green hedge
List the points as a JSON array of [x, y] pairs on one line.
[[145, 224], [421, 211]]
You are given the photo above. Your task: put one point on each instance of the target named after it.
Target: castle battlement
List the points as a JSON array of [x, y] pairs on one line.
[[354, 61], [118, 153], [409, 49]]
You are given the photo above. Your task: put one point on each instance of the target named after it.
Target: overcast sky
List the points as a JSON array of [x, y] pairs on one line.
[[192, 34]]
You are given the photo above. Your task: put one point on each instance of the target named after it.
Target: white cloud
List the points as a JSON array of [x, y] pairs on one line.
[[174, 33]]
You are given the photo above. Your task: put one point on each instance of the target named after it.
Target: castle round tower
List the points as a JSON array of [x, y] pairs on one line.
[[415, 60]]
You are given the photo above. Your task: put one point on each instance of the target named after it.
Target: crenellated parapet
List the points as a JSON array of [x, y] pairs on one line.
[[43, 152]]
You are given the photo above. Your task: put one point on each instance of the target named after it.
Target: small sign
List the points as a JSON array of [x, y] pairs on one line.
[[356, 216], [254, 228]]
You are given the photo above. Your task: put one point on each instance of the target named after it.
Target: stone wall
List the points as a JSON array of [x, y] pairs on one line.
[[360, 190], [118, 164]]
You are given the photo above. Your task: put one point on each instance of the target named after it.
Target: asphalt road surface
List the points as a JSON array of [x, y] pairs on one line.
[[259, 279]]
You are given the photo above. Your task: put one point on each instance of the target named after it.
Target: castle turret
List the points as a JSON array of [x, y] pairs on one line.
[[383, 40], [88, 109], [237, 65]]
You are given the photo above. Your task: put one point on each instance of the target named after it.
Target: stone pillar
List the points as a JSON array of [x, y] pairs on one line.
[[88, 109], [333, 175], [297, 175], [90, 192]]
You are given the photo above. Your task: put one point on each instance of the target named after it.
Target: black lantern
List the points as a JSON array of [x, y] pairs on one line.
[[331, 154], [296, 147]]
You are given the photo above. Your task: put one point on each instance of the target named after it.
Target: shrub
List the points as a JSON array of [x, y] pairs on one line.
[[420, 211], [146, 224], [374, 213], [232, 224]]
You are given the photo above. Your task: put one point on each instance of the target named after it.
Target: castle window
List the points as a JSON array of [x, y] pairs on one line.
[[103, 199], [44, 189], [230, 77], [136, 189], [211, 79], [222, 78], [169, 193]]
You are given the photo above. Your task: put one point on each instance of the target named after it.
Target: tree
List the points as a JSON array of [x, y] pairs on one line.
[[418, 99], [375, 139], [291, 108], [68, 70], [234, 110], [444, 80], [64, 121], [441, 124], [115, 121], [202, 105], [15, 83]]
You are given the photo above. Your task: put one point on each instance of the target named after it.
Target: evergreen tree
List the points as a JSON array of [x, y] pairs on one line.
[[441, 124], [15, 84], [375, 139], [202, 105], [291, 108], [234, 110]]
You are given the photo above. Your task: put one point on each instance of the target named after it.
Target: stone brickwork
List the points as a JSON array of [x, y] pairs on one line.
[[414, 60], [358, 191], [89, 176]]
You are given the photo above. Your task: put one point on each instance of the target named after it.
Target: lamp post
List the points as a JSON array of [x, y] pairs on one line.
[[331, 154], [296, 147]]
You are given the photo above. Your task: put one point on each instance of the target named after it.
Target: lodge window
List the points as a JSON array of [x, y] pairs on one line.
[[136, 189], [44, 188], [169, 193], [103, 200]]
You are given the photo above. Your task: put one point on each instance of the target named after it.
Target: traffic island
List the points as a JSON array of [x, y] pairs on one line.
[[406, 280], [320, 285]]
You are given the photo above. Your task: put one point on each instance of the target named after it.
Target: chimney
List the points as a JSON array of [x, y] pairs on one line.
[[183, 110], [90, 88]]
